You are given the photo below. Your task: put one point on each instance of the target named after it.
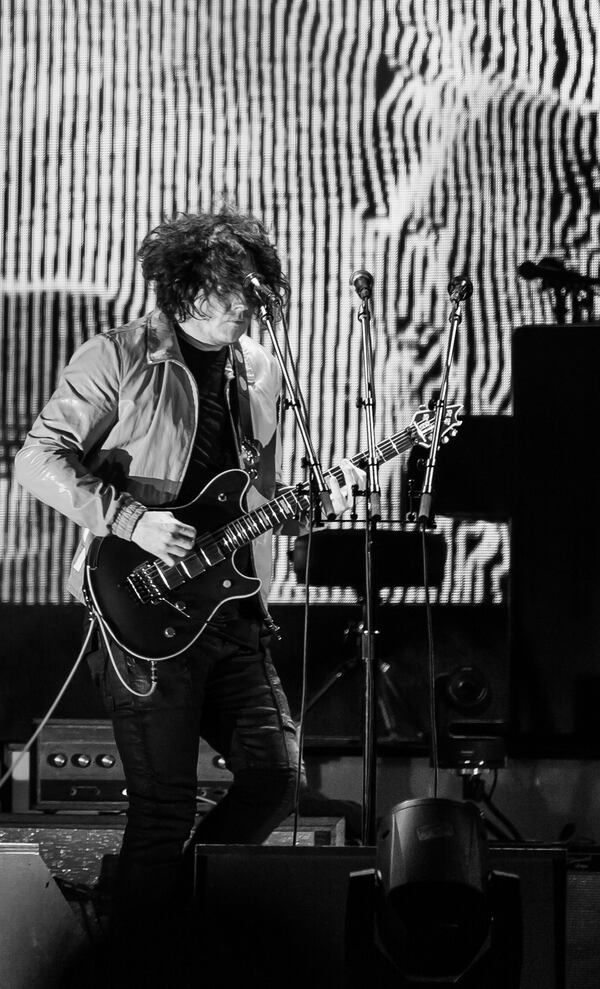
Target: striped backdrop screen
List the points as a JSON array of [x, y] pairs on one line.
[[416, 139]]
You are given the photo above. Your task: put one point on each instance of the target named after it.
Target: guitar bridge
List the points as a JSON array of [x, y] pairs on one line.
[[143, 583]]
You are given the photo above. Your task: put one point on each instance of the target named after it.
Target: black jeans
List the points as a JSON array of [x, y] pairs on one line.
[[225, 690]]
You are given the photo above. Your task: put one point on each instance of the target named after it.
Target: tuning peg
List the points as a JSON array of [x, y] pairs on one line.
[[445, 439]]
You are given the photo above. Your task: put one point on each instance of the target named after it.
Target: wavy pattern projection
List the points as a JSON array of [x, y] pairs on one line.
[[416, 139]]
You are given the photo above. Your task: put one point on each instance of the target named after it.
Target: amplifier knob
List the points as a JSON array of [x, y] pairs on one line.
[[81, 759], [105, 760], [57, 759]]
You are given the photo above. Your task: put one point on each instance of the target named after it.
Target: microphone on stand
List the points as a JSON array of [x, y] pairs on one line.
[[362, 281], [253, 285], [553, 272], [460, 289]]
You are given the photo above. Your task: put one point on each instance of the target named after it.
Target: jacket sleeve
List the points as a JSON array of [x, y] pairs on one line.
[[80, 413]]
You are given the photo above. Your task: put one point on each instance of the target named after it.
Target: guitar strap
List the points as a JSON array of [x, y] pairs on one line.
[[249, 446]]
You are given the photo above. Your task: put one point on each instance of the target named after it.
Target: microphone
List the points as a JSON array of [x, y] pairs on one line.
[[253, 285], [362, 281], [460, 289], [530, 270], [553, 272]]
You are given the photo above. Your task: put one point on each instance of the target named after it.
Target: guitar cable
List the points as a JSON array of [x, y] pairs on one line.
[[9, 772], [136, 693], [94, 619]]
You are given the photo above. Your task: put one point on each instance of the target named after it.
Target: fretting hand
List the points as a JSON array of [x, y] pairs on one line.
[[342, 497]]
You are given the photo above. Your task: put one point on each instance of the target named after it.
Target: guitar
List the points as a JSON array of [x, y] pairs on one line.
[[155, 611]]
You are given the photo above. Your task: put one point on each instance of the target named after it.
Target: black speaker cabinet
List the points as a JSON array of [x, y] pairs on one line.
[[274, 917], [542, 870], [473, 473], [278, 915], [555, 538], [583, 919]]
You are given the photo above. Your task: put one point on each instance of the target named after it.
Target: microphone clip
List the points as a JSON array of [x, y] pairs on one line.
[[362, 282], [460, 289], [254, 286]]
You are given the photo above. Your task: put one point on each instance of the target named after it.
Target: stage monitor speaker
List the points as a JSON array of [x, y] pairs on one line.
[[274, 916], [40, 936], [280, 913]]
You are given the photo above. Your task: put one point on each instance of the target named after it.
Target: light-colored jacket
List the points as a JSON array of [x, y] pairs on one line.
[[117, 434]]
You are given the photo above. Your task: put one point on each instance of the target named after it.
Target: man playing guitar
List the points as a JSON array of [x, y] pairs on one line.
[[143, 420]]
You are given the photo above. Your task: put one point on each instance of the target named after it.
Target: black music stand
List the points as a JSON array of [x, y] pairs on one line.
[[337, 560], [475, 479]]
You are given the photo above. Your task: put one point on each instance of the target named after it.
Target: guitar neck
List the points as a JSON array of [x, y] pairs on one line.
[[390, 448], [213, 547], [294, 503]]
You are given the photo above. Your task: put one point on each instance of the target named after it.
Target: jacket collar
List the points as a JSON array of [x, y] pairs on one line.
[[162, 344], [161, 339]]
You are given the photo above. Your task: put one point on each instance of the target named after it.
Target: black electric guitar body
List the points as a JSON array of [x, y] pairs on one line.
[[155, 611]]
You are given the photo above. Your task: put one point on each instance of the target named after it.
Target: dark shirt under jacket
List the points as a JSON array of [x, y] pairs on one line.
[[214, 448], [214, 445]]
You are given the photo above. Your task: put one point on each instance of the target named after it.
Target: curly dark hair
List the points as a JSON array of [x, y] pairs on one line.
[[208, 253]]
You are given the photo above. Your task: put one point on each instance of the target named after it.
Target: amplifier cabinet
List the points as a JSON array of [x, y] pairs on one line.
[[76, 765]]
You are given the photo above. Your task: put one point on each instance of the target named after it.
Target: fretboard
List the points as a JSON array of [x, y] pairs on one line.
[[213, 547], [293, 503]]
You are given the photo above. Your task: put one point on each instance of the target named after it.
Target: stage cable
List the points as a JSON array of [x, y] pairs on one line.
[[285, 402], [508, 825], [304, 691], [431, 667], [53, 706]]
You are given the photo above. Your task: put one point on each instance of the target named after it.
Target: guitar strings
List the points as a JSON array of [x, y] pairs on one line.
[[242, 527]]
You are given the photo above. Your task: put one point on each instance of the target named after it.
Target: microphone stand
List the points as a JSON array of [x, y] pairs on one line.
[[459, 289], [297, 403], [363, 282]]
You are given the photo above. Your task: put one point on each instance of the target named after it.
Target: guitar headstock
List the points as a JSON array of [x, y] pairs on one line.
[[423, 422]]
